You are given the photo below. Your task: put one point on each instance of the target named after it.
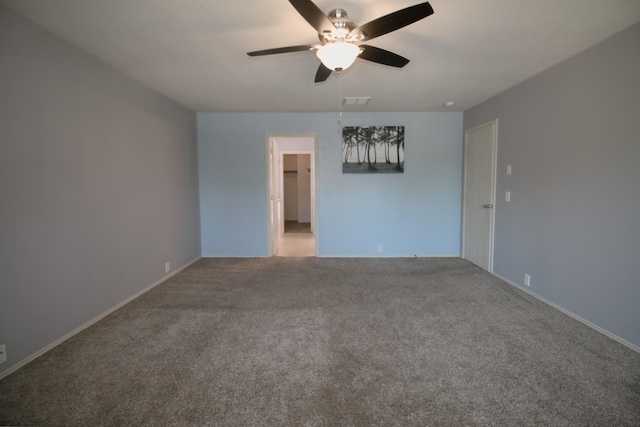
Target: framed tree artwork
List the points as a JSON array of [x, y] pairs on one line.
[[373, 149]]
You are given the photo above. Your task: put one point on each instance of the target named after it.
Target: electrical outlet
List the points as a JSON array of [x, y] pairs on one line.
[[3, 353], [167, 267], [379, 249], [527, 280], [507, 196]]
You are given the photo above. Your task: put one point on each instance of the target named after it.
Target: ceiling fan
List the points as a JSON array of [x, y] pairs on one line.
[[340, 37]]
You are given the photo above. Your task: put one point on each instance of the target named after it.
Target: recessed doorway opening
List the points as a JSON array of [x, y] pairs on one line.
[[292, 189]]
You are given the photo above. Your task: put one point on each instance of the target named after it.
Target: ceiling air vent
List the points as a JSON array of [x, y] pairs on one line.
[[356, 100]]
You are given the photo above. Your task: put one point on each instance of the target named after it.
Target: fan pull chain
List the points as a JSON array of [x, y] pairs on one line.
[[339, 99]]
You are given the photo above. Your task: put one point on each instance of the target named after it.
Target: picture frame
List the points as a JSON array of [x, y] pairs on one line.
[[373, 149]]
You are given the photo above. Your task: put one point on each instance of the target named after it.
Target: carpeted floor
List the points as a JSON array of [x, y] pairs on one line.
[[326, 342]]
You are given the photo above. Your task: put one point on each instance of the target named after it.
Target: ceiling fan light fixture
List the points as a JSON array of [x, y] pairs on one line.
[[338, 56]]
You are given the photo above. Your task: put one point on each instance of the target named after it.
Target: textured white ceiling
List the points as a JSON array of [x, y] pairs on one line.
[[194, 51]]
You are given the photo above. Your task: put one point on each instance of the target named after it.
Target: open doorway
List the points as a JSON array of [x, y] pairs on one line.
[[296, 185], [292, 189]]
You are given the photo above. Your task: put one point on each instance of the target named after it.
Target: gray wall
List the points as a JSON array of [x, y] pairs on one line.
[[98, 187], [571, 135]]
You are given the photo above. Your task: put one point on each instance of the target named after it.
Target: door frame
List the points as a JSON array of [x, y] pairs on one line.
[[494, 164], [271, 140]]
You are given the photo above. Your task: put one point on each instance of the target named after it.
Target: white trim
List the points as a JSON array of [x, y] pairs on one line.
[[340, 256], [389, 256], [570, 314], [270, 196], [494, 169], [91, 322], [237, 256]]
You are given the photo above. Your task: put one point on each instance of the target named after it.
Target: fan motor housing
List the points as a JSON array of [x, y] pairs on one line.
[[343, 25]]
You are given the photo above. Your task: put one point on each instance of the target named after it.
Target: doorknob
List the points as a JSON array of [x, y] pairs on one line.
[[487, 206]]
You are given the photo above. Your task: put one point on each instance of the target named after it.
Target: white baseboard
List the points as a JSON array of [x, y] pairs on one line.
[[236, 256], [570, 314], [340, 256], [91, 322], [388, 256]]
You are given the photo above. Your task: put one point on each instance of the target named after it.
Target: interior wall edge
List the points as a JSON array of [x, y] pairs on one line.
[[570, 314], [96, 319]]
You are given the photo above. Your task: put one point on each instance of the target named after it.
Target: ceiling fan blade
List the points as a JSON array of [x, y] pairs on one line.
[[313, 15], [301, 48], [381, 56], [323, 73], [393, 21]]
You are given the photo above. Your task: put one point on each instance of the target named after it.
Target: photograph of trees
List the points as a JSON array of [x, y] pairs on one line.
[[373, 149]]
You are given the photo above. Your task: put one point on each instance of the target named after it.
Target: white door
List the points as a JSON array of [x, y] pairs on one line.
[[275, 198], [479, 198]]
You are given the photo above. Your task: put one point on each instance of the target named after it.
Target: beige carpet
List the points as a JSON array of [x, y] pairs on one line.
[[330, 342]]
